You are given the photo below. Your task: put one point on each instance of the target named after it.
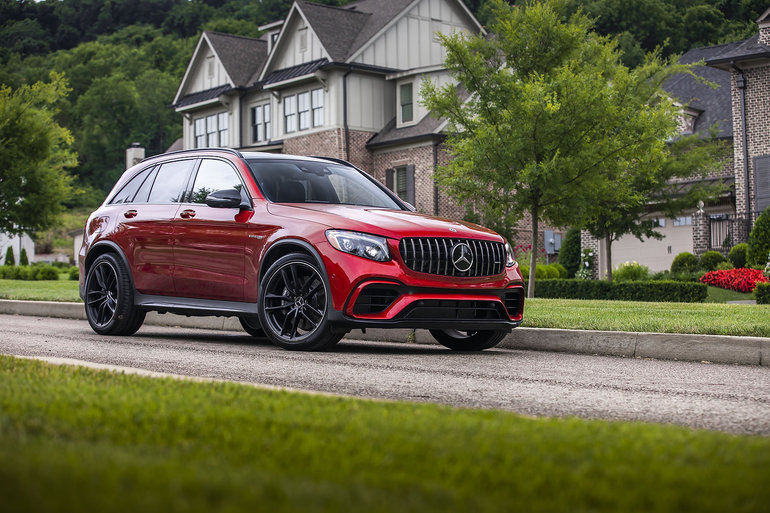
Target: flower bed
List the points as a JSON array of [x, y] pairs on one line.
[[741, 280]]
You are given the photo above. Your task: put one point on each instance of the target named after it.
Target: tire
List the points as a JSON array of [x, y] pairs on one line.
[[110, 298], [252, 326], [469, 340], [294, 305]]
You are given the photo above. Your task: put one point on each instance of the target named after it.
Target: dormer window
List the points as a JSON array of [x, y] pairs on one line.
[[407, 106]]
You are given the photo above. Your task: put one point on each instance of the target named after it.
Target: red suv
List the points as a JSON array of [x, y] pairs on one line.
[[301, 249]]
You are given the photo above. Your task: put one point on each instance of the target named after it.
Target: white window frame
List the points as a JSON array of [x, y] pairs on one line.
[[317, 102], [401, 105], [212, 134], [260, 123], [303, 110], [223, 127], [290, 113], [199, 133]]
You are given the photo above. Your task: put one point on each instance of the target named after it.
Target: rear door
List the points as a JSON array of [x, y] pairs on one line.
[[209, 243], [146, 232]]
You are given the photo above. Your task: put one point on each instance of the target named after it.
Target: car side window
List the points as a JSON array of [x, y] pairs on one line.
[[128, 192], [213, 175], [170, 182]]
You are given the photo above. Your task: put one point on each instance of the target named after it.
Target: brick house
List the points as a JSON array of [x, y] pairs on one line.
[[740, 107], [336, 81]]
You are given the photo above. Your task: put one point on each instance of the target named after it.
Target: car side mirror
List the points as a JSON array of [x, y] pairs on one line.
[[228, 198]]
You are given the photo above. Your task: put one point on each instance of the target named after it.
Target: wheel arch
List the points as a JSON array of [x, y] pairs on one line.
[[286, 246], [101, 248]]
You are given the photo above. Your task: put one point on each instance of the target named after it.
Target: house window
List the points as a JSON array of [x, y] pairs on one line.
[[212, 138], [290, 113], [318, 106], [406, 103], [401, 181], [683, 221], [303, 39], [224, 139], [200, 132], [303, 106], [260, 123], [210, 66]]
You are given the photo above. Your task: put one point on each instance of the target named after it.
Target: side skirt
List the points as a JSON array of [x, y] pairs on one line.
[[194, 306]]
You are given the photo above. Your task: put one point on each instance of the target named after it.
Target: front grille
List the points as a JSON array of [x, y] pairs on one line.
[[433, 255], [374, 299], [455, 310]]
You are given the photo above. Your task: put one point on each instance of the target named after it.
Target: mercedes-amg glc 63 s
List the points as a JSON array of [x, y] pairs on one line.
[[301, 249]]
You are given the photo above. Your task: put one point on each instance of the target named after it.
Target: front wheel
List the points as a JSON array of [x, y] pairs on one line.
[[468, 340], [110, 298], [294, 305]]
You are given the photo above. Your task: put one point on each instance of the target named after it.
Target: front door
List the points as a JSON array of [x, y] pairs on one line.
[[209, 243]]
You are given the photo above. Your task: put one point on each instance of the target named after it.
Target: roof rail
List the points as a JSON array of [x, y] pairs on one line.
[[195, 150]]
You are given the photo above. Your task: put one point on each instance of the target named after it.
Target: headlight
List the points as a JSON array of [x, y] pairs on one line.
[[359, 244], [510, 257]]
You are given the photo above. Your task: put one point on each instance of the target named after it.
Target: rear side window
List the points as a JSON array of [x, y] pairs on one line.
[[213, 175], [170, 182], [128, 193]]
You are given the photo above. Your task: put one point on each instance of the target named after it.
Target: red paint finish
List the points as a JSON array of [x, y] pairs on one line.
[[191, 250]]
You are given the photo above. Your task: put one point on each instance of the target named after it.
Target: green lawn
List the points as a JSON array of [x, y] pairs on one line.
[[717, 295], [701, 318], [73, 439]]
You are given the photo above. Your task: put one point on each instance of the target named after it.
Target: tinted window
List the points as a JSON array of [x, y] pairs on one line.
[[128, 192], [213, 175], [170, 182], [297, 181], [143, 193]]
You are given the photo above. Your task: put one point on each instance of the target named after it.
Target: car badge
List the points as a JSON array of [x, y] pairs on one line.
[[462, 257]]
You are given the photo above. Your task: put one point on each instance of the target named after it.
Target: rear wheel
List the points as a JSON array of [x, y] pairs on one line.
[[294, 305], [110, 298], [468, 340]]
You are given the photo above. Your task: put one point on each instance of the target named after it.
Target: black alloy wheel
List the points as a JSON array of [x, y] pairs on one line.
[[109, 298], [469, 340], [294, 304]]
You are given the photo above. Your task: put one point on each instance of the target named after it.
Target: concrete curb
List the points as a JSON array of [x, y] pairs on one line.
[[666, 346]]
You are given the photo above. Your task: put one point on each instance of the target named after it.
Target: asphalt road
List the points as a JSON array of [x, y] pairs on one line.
[[728, 398]]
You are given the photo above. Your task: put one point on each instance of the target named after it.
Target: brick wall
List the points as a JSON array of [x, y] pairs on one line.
[[757, 128]]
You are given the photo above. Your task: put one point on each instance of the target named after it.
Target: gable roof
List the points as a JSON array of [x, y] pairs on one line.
[[715, 105], [335, 27], [750, 49], [241, 56]]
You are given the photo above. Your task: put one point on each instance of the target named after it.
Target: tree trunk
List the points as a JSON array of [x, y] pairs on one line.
[[608, 242], [533, 255]]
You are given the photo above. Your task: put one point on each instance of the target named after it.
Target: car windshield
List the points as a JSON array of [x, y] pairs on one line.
[[301, 181]]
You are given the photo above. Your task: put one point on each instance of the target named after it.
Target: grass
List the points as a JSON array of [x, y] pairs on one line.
[[73, 439], [717, 295], [698, 318], [61, 290]]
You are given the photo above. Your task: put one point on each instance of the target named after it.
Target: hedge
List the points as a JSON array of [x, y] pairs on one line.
[[762, 293], [29, 272], [655, 291]]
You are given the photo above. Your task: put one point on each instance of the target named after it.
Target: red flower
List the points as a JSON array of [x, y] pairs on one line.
[[741, 280]]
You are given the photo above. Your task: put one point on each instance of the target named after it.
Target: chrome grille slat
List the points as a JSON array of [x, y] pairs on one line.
[[433, 255]]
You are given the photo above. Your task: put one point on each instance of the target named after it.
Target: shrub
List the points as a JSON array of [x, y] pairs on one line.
[[524, 270], [710, 259], [737, 255], [631, 271], [9, 260], [74, 273], [23, 260], [759, 240], [62, 266], [569, 254], [563, 273], [669, 291], [550, 272], [684, 262], [741, 280], [724, 266], [762, 293], [46, 272]]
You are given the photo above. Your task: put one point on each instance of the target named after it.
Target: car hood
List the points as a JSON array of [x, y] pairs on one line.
[[378, 221]]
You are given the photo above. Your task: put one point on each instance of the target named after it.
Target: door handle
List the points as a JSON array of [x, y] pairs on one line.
[[187, 214], [129, 214]]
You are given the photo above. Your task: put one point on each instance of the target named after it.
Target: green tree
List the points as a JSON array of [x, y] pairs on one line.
[[569, 254], [759, 241], [551, 115], [34, 156]]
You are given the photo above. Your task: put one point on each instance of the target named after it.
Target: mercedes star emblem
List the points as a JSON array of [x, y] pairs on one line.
[[462, 257]]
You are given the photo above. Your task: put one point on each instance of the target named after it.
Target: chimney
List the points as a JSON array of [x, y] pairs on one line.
[[764, 28], [134, 155]]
